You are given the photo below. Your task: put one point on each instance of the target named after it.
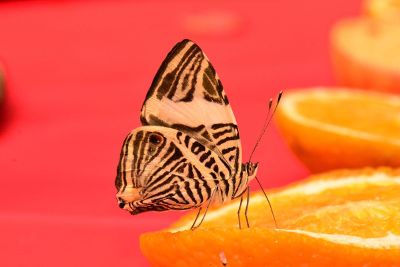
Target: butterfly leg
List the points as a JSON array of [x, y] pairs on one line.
[[247, 205], [195, 220], [238, 212], [269, 203], [205, 212]]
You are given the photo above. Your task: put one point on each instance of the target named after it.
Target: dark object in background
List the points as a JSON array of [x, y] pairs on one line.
[[1, 86], [2, 99]]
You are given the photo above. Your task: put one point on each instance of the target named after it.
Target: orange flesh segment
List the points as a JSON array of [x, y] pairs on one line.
[[350, 111]]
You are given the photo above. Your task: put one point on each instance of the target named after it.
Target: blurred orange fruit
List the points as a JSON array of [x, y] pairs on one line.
[[384, 10], [331, 128], [342, 218], [365, 54]]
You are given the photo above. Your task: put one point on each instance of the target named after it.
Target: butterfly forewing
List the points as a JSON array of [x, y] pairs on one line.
[[186, 94]]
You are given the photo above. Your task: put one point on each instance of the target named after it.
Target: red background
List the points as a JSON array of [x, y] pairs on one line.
[[77, 73]]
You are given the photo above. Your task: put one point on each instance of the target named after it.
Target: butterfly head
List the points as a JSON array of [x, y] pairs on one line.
[[141, 153], [251, 169]]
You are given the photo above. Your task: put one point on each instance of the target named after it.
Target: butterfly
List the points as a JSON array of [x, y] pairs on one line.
[[187, 153]]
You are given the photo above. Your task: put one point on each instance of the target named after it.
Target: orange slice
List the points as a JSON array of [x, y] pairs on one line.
[[343, 218], [384, 10], [331, 128], [365, 54]]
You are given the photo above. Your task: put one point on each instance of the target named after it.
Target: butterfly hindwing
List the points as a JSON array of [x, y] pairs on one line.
[[186, 94], [171, 168]]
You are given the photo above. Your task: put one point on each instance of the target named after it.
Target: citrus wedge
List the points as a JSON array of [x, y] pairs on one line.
[[331, 128], [384, 10], [342, 218], [365, 54]]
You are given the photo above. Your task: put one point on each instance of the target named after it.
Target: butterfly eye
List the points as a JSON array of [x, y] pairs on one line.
[[155, 139], [250, 169], [139, 135]]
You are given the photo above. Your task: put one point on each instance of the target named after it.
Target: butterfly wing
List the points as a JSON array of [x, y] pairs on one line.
[[163, 168], [186, 94]]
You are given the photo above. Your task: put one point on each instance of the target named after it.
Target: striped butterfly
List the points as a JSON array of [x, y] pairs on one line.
[[187, 154]]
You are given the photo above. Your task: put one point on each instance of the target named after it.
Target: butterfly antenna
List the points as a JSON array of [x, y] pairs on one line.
[[267, 121], [264, 129], [269, 203]]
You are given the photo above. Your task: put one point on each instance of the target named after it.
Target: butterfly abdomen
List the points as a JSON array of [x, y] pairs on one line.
[[248, 173]]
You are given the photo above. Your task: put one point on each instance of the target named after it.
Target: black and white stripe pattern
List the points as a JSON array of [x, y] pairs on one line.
[[189, 145], [179, 171], [185, 74]]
